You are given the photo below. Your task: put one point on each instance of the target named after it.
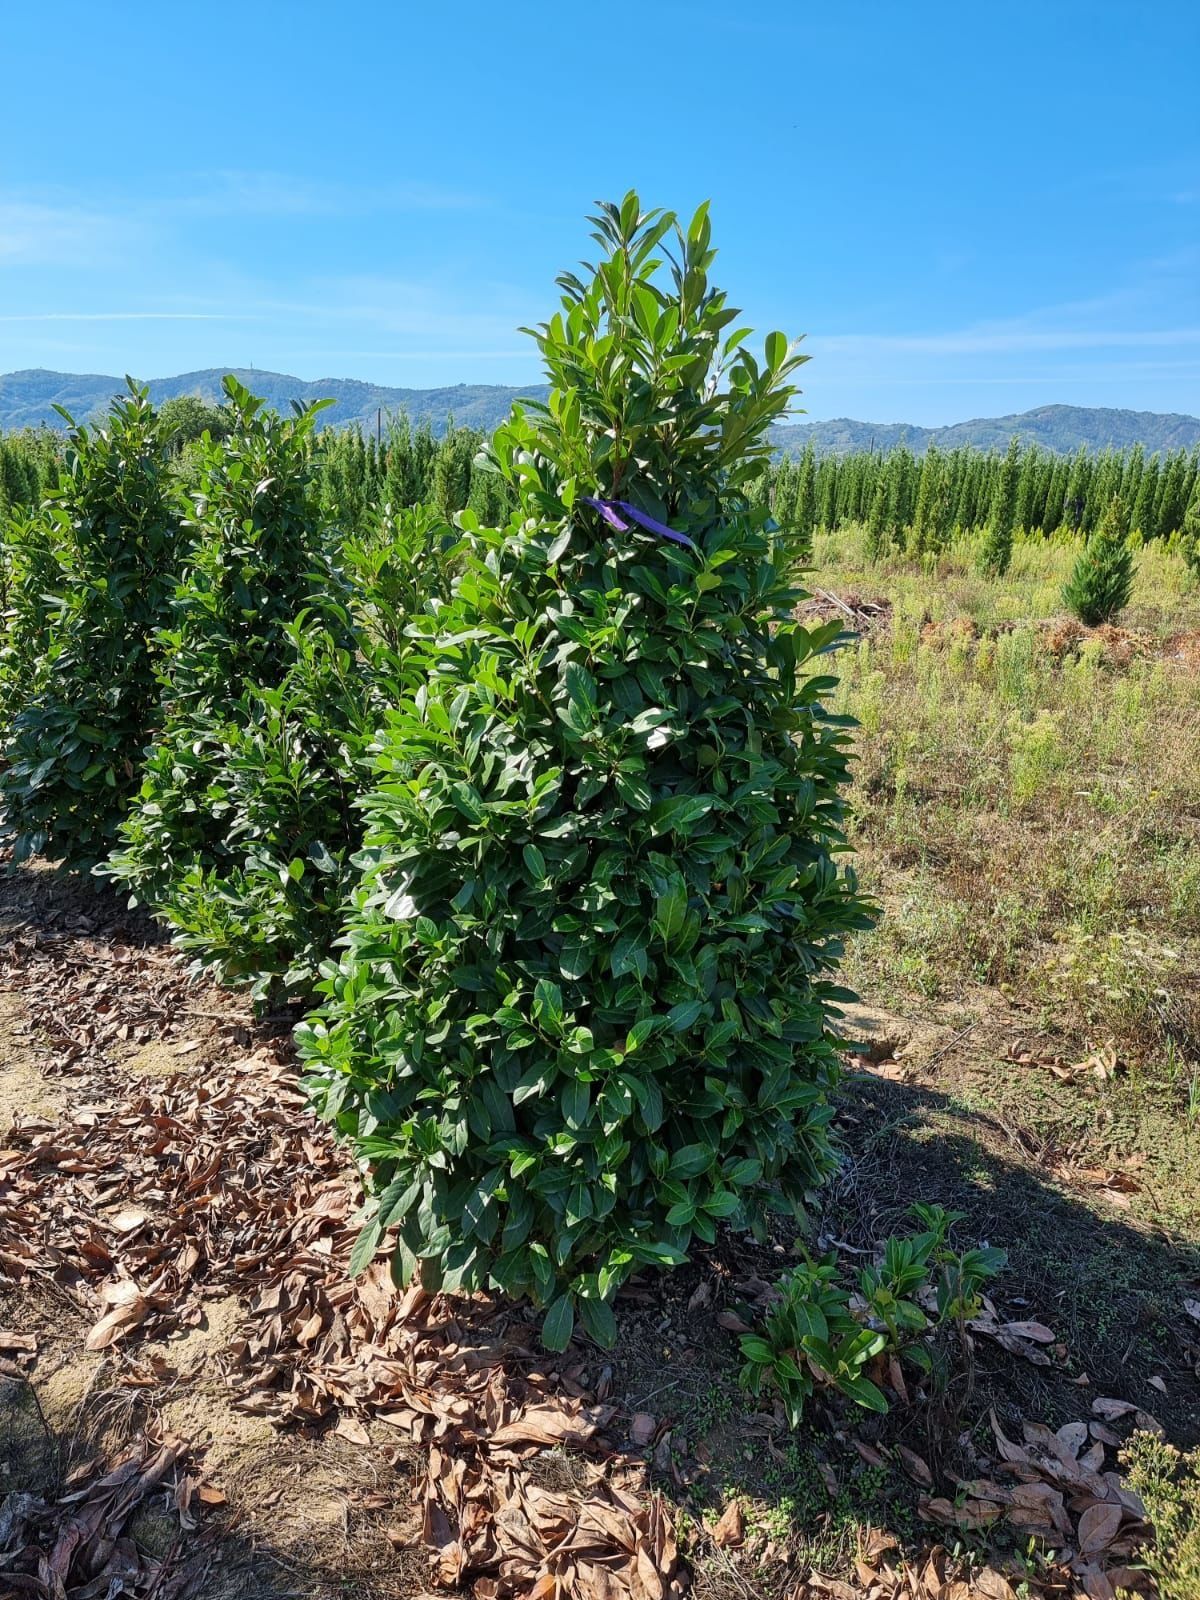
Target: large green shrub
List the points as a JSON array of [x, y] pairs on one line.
[[93, 574], [400, 564], [241, 833], [1101, 580], [582, 1016]]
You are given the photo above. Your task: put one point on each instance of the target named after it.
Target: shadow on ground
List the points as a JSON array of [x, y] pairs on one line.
[[1111, 1291]]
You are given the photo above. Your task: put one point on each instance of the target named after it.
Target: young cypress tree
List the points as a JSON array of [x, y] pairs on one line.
[[583, 1009], [804, 511], [997, 550], [1055, 515], [1078, 485], [1102, 578], [973, 496], [828, 476], [1133, 467], [1173, 494], [423, 453], [1189, 538], [782, 496], [878, 532], [930, 488], [1027, 487], [451, 478]]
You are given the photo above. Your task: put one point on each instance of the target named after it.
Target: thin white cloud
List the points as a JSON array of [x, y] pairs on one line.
[[125, 316], [35, 234], [266, 193], [969, 342], [425, 355], [59, 226]]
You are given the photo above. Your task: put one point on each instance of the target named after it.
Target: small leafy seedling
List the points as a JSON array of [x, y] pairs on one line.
[[821, 1334]]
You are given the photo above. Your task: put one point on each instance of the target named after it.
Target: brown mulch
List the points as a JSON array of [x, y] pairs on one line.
[[79, 1544], [157, 1196]]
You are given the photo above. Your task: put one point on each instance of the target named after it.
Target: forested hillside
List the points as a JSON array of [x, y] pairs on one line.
[[28, 399], [1063, 429]]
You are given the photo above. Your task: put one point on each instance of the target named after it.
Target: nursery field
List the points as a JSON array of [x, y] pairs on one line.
[[585, 1015], [1024, 806]]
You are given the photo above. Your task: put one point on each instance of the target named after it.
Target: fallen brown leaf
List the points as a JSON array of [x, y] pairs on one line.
[[114, 1324], [642, 1428], [916, 1467], [1098, 1527], [730, 1530]]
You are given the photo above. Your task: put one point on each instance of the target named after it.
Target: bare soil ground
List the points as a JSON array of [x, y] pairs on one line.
[[198, 1402]]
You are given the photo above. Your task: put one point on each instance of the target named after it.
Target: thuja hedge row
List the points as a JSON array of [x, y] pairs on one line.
[[561, 793]]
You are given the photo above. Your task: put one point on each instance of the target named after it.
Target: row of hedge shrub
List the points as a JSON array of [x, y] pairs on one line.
[[562, 792]]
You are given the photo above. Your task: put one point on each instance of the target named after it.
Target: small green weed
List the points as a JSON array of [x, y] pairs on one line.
[[1169, 1485], [821, 1333]]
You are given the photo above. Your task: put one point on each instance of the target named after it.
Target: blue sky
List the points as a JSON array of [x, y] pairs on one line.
[[969, 209]]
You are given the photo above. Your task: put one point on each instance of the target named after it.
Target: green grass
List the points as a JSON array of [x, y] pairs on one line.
[[1025, 802]]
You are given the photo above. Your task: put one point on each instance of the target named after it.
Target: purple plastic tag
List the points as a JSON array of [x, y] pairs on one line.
[[611, 510]]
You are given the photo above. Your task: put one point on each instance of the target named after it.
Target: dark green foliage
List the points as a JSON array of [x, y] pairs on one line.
[[583, 1009], [452, 470], [931, 513], [792, 493], [262, 554], [878, 532], [240, 835], [1102, 578], [997, 550], [1144, 518], [93, 575], [1189, 539], [360, 483], [401, 565], [185, 418], [28, 571], [911, 502], [30, 462], [816, 1333]]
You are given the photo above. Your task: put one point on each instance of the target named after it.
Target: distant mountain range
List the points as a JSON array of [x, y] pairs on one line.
[[27, 399], [1059, 428]]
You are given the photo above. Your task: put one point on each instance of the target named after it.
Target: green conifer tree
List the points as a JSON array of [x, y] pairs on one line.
[[804, 510], [1102, 579], [878, 531], [1189, 538], [997, 550]]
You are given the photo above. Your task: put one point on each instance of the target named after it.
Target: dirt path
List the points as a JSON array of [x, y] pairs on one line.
[[98, 1038], [174, 1238], [175, 1230]]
